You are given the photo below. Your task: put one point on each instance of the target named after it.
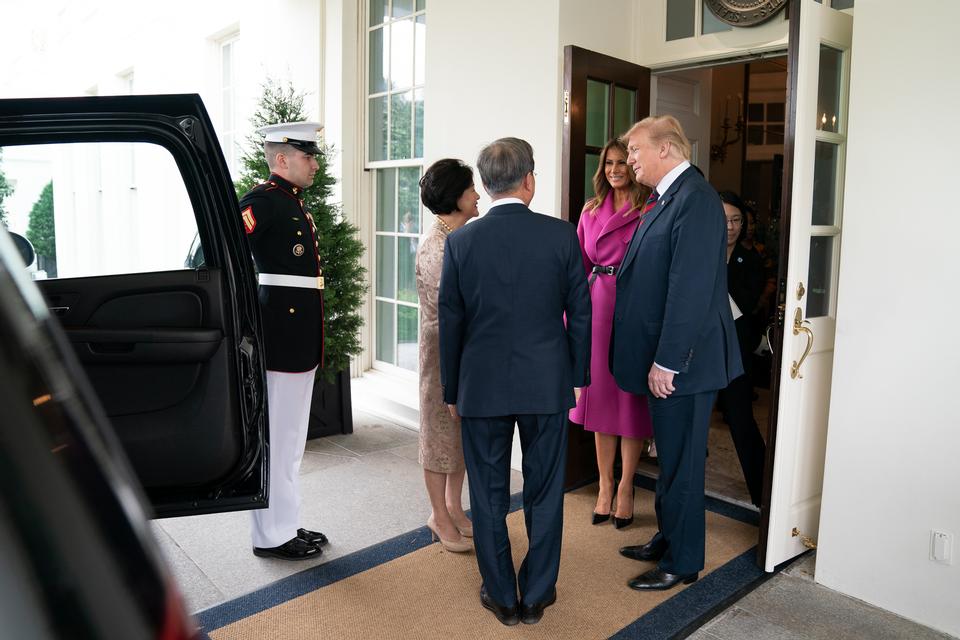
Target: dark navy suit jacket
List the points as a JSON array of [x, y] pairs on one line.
[[672, 306], [507, 281]]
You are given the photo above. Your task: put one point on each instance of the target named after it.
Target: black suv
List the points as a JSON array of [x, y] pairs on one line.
[[131, 387]]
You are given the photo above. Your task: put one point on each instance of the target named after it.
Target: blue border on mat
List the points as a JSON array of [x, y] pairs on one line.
[[666, 620], [321, 575]]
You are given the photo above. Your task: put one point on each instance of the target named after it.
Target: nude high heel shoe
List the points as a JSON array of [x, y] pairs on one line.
[[466, 531], [456, 546]]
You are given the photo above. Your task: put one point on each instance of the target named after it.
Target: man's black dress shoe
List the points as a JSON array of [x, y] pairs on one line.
[[531, 613], [658, 580], [506, 615], [650, 552], [314, 537], [295, 549]]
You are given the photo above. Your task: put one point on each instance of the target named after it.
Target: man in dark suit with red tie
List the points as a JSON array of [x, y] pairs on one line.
[[674, 338], [508, 358]]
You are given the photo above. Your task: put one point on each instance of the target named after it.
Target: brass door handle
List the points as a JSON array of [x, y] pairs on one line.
[[798, 328]]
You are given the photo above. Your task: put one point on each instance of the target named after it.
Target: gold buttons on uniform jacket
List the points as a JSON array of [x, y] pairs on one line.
[[298, 250], [292, 310], [299, 233]]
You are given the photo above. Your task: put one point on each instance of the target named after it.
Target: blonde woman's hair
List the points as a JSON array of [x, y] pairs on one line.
[[638, 192], [662, 129]]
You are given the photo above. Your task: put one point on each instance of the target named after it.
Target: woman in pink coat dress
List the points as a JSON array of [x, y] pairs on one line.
[[606, 226]]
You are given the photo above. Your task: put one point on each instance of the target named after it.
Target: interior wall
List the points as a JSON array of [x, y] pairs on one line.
[[891, 470], [727, 93]]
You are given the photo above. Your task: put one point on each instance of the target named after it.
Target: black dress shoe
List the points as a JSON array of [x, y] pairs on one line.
[[295, 549], [621, 523], [506, 615], [650, 552], [531, 613], [600, 518], [658, 580], [314, 537]]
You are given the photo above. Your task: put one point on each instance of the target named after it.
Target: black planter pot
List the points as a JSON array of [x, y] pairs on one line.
[[331, 411]]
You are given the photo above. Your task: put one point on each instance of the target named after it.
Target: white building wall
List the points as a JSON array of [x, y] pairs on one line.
[[892, 472]]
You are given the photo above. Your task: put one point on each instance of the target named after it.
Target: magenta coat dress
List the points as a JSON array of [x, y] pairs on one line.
[[603, 406]]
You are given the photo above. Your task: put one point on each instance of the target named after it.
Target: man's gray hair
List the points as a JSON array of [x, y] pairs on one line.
[[271, 149], [504, 163]]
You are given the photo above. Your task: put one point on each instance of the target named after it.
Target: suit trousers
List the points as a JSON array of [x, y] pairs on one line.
[[680, 426], [736, 402], [487, 443], [288, 401]]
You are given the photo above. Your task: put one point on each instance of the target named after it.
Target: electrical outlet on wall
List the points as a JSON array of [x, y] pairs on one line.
[[941, 547]]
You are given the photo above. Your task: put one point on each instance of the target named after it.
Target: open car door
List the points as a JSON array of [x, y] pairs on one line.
[[173, 353]]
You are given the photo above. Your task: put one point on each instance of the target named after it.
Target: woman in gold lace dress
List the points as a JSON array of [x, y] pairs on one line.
[[446, 189]]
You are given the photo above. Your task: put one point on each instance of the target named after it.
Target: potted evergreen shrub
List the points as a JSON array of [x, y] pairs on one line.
[[340, 253]]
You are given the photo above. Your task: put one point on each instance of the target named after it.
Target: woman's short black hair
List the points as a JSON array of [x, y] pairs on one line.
[[732, 199], [443, 184]]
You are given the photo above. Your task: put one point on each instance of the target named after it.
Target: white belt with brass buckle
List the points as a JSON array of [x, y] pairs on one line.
[[284, 280]]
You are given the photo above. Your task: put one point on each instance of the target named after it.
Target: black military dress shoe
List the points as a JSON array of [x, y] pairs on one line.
[[314, 537], [506, 615], [294, 549], [531, 613], [650, 552], [659, 580]]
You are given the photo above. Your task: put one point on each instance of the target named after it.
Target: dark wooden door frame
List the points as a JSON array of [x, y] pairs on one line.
[[786, 197], [578, 65]]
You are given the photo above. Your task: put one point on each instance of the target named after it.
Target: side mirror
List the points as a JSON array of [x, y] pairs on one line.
[[25, 248]]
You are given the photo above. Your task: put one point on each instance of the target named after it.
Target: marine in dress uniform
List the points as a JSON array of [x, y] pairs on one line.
[[283, 240]]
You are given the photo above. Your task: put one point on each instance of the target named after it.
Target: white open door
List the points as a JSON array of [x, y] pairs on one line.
[[685, 95], [819, 80]]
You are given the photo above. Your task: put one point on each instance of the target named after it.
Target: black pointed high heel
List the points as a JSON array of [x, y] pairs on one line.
[[600, 518], [620, 523]]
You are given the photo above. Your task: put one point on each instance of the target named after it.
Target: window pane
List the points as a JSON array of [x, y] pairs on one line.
[[710, 22], [590, 165], [386, 261], [88, 213], [378, 12], [825, 183], [755, 134], [401, 125], [420, 62], [774, 134], [401, 54], [378, 128], [775, 111], [402, 8], [828, 91], [422, 4], [755, 112], [418, 123], [598, 109], [385, 332], [407, 351], [842, 4], [680, 19], [624, 109], [379, 50], [406, 269], [409, 201], [819, 276], [386, 190]]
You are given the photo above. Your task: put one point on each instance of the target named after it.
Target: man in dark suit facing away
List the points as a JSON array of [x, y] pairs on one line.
[[506, 358], [674, 337]]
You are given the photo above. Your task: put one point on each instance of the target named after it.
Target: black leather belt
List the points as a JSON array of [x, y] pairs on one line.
[[598, 269]]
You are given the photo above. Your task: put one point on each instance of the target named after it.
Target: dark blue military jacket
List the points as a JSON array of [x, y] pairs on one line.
[[283, 241]]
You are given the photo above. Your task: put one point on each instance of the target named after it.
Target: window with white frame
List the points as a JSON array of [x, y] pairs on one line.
[[396, 63], [229, 76]]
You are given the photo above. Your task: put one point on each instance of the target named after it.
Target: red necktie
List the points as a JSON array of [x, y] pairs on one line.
[[651, 201]]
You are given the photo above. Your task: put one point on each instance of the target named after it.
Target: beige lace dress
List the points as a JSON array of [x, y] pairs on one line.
[[440, 447]]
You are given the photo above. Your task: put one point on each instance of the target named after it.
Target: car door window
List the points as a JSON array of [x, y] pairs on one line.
[[100, 208]]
